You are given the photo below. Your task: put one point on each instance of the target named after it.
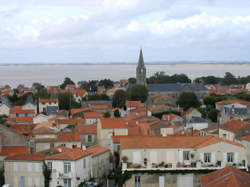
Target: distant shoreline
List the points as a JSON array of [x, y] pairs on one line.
[[129, 63]]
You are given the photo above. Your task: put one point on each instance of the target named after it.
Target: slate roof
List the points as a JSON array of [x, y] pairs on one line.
[[175, 87], [29, 100], [6, 101], [196, 119], [52, 109]]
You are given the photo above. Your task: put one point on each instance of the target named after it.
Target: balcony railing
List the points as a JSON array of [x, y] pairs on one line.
[[177, 166]]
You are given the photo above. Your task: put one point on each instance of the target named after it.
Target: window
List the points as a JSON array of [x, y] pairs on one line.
[[63, 145], [74, 146], [84, 163], [37, 167], [186, 155], [49, 165], [67, 182], [137, 181], [207, 157], [15, 166], [230, 157], [67, 167], [89, 138], [224, 136]]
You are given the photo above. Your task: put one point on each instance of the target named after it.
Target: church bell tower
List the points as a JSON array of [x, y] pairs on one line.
[[141, 71]]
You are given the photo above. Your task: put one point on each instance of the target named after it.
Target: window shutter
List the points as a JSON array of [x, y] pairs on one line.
[[181, 156], [202, 157], [37, 167], [236, 155], [86, 138], [29, 180], [29, 167], [213, 157], [225, 157]]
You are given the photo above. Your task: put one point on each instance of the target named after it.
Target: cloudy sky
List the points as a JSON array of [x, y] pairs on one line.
[[114, 30]]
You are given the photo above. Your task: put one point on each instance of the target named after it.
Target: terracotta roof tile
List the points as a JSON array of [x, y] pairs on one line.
[[92, 115], [226, 102], [99, 107], [226, 177], [234, 125], [7, 150], [87, 129], [97, 150], [71, 121], [68, 137], [247, 138], [172, 142], [133, 103], [113, 123], [78, 110], [47, 100]]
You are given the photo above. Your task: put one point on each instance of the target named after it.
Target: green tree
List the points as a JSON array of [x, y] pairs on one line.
[[121, 178], [187, 100], [2, 181], [43, 93], [229, 78], [212, 114], [47, 174], [132, 80], [137, 92], [117, 114], [107, 115], [66, 101], [161, 77], [119, 99], [107, 83], [38, 86], [66, 81]]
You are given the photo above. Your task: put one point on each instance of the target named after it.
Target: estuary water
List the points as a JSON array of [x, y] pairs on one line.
[[54, 74]]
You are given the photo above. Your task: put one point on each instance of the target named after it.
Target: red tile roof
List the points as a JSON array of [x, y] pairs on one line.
[[96, 107], [71, 121], [68, 154], [78, 110], [247, 138], [87, 129], [18, 110], [226, 102], [8, 150], [234, 125], [92, 115], [196, 142], [113, 123], [97, 150], [47, 100], [70, 86], [133, 103], [24, 119], [68, 137], [170, 117], [226, 177]]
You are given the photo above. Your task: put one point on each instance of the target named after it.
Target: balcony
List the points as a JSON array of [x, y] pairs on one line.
[[178, 166], [65, 175]]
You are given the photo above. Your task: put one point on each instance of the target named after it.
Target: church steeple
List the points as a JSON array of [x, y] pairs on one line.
[[141, 70], [141, 61]]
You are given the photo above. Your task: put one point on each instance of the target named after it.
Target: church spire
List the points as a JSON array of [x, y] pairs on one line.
[[141, 70], [141, 61]]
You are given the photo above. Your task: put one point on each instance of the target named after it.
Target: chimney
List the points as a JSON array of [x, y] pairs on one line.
[[83, 147]]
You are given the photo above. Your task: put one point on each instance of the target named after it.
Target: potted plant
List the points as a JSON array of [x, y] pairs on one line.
[[145, 161], [161, 164], [125, 159]]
